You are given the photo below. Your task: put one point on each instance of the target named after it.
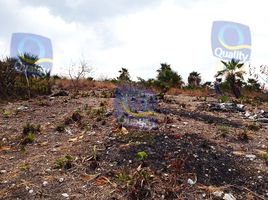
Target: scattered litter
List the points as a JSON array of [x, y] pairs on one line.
[[228, 197], [191, 182], [218, 193], [261, 116], [226, 107], [22, 108], [65, 195], [250, 156], [108, 114]]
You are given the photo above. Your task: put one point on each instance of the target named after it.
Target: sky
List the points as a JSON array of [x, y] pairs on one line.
[[135, 34]]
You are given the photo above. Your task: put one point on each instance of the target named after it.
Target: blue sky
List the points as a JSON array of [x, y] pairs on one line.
[[138, 35]]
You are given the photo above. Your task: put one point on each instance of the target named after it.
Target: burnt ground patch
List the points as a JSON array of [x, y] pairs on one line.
[[190, 154], [202, 117]]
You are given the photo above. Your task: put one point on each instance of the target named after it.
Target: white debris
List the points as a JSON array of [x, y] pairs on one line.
[[31, 191], [250, 156], [247, 114], [228, 197], [45, 183], [22, 108], [218, 193], [191, 182], [65, 195], [3, 171], [61, 180]]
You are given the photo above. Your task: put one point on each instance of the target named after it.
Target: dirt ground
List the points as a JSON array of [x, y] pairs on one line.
[[81, 153]]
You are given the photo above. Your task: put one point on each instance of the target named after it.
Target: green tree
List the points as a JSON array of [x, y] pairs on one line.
[[146, 83], [253, 84], [167, 78], [194, 79], [233, 75], [124, 75]]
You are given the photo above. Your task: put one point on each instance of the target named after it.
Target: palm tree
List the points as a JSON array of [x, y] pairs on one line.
[[27, 65], [233, 73], [194, 79]]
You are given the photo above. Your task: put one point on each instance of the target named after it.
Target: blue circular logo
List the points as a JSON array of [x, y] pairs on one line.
[[135, 107]]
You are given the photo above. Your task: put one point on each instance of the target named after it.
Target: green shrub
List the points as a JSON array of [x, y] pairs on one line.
[[224, 130], [124, 177], [29, 138], [15, 85], [64, 162], [6, 114], [141, 155], [253, 127], [31, 128], [223, 99], [24, 167], [60, 128], [265, 157]]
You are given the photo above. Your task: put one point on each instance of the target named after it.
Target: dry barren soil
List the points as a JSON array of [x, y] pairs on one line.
[[73, 148]]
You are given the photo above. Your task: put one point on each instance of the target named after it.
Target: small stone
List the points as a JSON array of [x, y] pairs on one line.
[[65, 195], [259, 177], [45, 183], [61, 180], [31, 191], [48, 170]]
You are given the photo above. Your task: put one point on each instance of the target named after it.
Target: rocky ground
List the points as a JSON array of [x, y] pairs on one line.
[[72, 148]]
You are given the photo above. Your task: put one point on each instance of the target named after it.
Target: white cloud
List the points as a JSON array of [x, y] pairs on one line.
[[178, 33]]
